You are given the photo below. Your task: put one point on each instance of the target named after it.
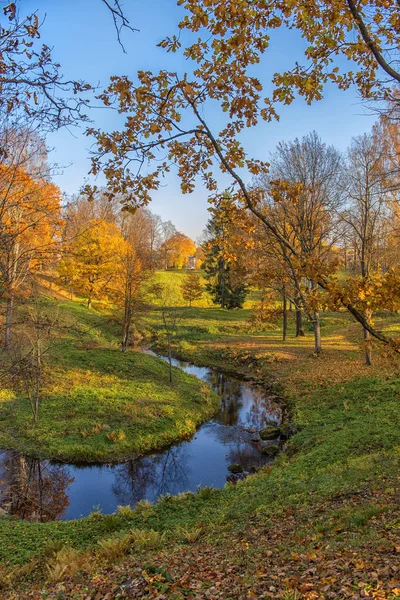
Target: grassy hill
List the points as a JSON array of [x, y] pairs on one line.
[[99, 404], [322, 522]]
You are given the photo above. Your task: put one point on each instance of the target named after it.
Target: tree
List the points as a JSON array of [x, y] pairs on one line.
[[367, 208], [348, 42], [127, 291], [191, 288], [144, 231], [269, 272], [30, 224], [223, 249], [308, 215], [168, 299], [199, 256], [24, 362], [119, 18], [177, 249], [166, 110], [92, 263], [30, 80]]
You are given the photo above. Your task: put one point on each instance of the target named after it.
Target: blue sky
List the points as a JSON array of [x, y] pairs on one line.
[[85, 44]]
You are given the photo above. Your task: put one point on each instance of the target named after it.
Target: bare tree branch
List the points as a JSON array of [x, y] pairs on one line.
[[120, 20]]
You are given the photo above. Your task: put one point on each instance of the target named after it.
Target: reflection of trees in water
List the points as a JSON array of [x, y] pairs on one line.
[[228, 435], [32, 489], [246, 455], [261, 409], [239, 448], [234, 393], [150, 477], [230, 391]]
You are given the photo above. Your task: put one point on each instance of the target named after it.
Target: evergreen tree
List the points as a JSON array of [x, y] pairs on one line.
[[225, 275], [191, 288]]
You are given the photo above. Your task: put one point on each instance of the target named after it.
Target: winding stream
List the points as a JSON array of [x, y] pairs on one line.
[[45, 491]]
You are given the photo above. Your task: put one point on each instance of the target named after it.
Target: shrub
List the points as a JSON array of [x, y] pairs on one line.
[[125, 511], [113, 548], [66, 563], [51, 548], [192, 535], [111, 522], [146, 539], [116, 436], [96, 513]]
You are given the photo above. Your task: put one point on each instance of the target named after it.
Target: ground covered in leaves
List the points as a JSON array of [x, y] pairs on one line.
[[322, 522], [346, 547]]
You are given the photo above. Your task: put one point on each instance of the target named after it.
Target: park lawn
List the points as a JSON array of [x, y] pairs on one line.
[[174, 278], [322, 522], [100, 405]]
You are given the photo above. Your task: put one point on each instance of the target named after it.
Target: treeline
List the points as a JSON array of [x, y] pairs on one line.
[[326, 216], [91, 249], [108, 253], [94, 248]]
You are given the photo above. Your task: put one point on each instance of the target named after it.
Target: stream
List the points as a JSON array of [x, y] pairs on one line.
[[45, 491]]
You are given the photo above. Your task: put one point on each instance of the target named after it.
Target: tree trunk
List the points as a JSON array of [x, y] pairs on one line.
[[37, 382], [89, 303], [126, 329], [223, 286], [317, 324], [299, 323], [125, 338], [317, 333], [368, 341], [170, 359], [284, 318], [9, 315]]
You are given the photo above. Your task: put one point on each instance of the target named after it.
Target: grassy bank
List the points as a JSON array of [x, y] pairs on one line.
[[323, 522], [99, 404]]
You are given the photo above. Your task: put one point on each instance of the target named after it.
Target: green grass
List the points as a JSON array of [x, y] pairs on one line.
[[175, 279], [348, 439], [347, 446], [99, 404]]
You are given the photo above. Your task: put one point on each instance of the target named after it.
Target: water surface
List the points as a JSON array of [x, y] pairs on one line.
[[45, 491]]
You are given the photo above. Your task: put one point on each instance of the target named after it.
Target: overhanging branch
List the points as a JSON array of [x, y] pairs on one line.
[[370, 42]]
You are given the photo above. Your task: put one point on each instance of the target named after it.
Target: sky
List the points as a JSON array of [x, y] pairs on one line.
[[84, 42]]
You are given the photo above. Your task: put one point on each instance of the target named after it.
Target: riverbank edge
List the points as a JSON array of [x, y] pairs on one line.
[[188, 507], [11, 439], [243, 372]]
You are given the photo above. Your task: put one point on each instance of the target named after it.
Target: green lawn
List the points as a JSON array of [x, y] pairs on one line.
[[99, 404], [324, 515], [348, 441]]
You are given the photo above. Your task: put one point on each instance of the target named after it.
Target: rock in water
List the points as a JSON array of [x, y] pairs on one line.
[[287, 430], [235, 468], [271, 451], [270, 433]]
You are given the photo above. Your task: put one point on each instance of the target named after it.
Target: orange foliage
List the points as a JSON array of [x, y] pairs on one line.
[[30, 224], [177, 250], [93, 266]]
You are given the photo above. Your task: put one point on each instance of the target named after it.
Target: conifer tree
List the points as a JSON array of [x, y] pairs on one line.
[[191, 288], [223, 269]]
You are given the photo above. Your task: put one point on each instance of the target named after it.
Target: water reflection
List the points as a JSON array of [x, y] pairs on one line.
[[150, 477], [42, 491], [32, 489]]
